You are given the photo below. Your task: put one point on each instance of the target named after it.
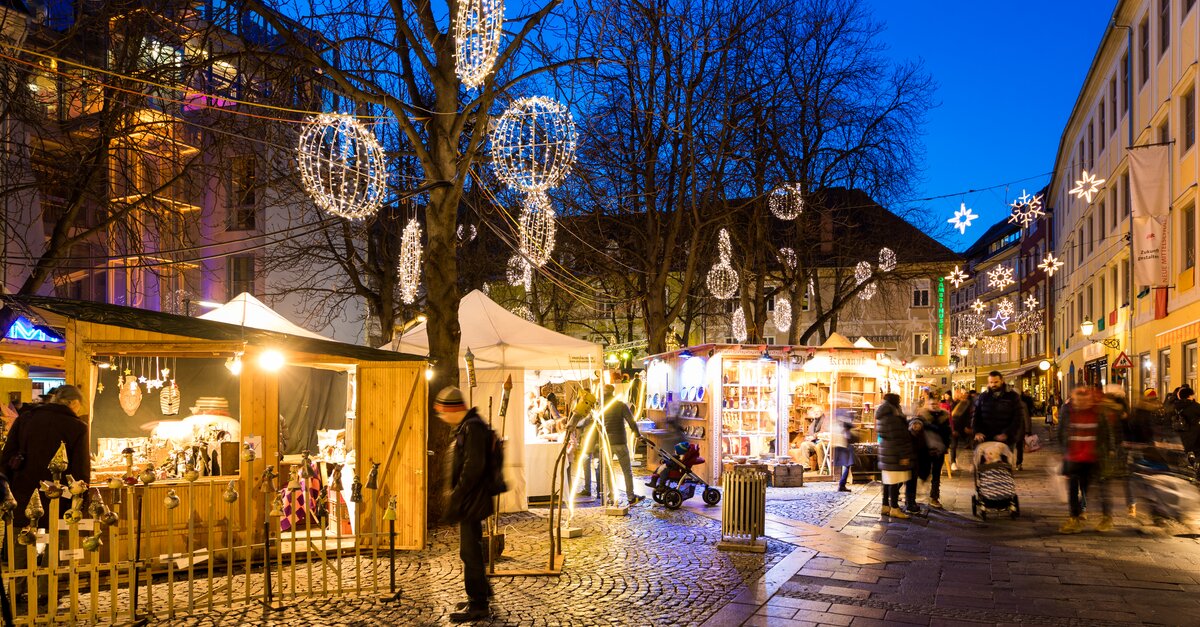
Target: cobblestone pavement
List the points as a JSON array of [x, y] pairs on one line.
[[814, 503]]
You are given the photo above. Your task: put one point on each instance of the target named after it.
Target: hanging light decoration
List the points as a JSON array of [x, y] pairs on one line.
[[477, 32], [978, 306], [341, 166], [999, 322], [533, 144], [868, 292], [786, 201], [409, 272], [537, 229], [971, 325], [722, 278], [787, 258], [1030, 322], [783, 315], [887, 260], [738, 326], [1087, 187], [862, 272], [1026, 209], [1006, 307], [1000, 277], [1031, 302], [957, 277], [963, 218], [516, 271], [523, 311], [466, 233], [995, 345], [1050, 264]]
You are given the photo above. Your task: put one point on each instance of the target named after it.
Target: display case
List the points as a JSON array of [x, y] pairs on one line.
[[749, 407]]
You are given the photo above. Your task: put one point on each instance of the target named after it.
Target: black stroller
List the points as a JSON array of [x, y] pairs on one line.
[[995, 489], [677, 483]]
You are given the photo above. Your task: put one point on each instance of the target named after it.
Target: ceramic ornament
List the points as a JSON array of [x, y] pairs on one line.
[[34, 510], [168, 399], [230, 494], [130, 396]]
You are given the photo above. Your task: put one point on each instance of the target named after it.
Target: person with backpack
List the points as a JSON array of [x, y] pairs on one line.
[[469, 501]]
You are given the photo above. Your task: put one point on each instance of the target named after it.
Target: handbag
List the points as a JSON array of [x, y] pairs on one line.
[[1032, 443], [934, 443]]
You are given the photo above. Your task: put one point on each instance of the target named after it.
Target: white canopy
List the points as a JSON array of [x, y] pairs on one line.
[[501, 339], [248, 311]]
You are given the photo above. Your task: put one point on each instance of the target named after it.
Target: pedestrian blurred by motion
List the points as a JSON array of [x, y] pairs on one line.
[[1088, 439], [841, 450], [1116, 408], [960, 423], [920, 471], [616, 417], [579, 421], [1026, 427], [895, 453], [936, 434], [946, 402], [1188, 416]]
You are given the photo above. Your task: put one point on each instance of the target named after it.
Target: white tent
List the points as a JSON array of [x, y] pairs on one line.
[[506, 344], [246, 310]]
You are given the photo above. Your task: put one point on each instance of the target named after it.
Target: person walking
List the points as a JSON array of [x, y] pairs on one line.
[[1188, 411], [841, 451], [1086, 434], [999, 413], [895, 453], [468, 502], [960, 424], [577, 427], [936, 434], [616, 417]]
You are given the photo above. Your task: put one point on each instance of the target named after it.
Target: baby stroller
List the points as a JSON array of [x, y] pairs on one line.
[[677, 483], [994, 486], [1165, 487]]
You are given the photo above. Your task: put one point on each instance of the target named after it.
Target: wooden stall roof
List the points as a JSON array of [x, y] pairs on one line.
[[36, 307]]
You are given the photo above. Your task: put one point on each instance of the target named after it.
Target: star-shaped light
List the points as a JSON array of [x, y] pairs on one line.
[[957, 277], [1050, 264], [999, 322], [1087, 187], [1006, 307], [962, 218], [1026, 209], [1000, 277], [978, 306], [1031, 302]]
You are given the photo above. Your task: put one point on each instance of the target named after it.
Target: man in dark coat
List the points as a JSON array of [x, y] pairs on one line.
[[468, 503], [1189, 410], [999, 413], [35, 438]]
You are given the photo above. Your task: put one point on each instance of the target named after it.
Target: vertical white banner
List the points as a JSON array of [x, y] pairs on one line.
[[1150, 200]]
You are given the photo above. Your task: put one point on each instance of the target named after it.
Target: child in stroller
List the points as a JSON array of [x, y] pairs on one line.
[[994, 485], [673, 481]]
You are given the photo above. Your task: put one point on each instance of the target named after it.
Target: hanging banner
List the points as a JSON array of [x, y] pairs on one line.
[[1150, 201]]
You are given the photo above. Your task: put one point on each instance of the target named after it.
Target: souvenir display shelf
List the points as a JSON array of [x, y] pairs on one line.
[[749, 407]]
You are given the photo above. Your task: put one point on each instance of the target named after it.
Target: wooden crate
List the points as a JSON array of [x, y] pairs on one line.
[[787, 476]]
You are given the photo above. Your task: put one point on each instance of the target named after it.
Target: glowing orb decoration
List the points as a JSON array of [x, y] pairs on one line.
[[408, 275], [517, 270], [782, 315], [786, 201], [787, 258], [1026, 209], [978, 306], [1000, 277], [341, 166], [1087, 187], [533, 144], [1050, 264], [537, 230], [887, 260], [722, 278], [862, 272], [868, 292], [478, 28], [738, 326], [957, 277], [962, 218]]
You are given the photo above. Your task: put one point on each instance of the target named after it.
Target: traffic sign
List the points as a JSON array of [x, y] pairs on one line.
[[1123, 361]]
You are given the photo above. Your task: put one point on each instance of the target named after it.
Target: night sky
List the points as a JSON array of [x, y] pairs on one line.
[[1007, 76]]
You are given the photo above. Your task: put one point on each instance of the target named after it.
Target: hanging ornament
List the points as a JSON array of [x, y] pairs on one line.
[[1087, 187], [1000, 277], [957, 277], [738, 326], [787, 258], [1006, 307], [466, 233], [995, 345], [477, 32], [868, 291], [783, 314], [1031, 302], [537, 230], [1026, 209], [887, 260], [517, 270], [962, 218], [130, 396], [862, 272], [1050, 264], [978, 306], [522, 311], [533, 144], [723, 279], [341, 166], [971, 325], [786, 201], [168, 399], [408, 274], [999, 322]]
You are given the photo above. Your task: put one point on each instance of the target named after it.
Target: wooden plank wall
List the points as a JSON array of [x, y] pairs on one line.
[[384, 390]]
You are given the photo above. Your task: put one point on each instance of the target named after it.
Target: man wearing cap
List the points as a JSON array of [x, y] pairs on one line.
[[468, 502]]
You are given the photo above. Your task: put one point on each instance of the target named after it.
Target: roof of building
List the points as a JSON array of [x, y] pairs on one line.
[[869, 225], [996, 231]]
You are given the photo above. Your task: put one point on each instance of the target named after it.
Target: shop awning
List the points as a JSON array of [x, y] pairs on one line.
[[246, 310], [1019, 372]]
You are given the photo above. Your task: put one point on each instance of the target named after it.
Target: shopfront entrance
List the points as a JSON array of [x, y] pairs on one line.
[[1095, 372]]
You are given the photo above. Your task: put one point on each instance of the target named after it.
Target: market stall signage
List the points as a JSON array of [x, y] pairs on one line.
[[941, 316], [23, 329], [847, 361]]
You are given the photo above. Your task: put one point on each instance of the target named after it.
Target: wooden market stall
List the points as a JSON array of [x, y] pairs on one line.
[[240, 386]]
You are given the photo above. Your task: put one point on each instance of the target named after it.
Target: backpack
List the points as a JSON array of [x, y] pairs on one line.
[[494, 472]]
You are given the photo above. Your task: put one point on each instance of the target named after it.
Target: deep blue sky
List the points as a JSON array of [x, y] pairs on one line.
[[1007, 76]]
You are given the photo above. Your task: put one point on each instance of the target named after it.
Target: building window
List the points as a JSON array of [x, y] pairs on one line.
[[921, 296], [1091, 138], [1079, 243], [1144, 41], [1189, 118], [241, 275], [1100, 215], [769, 340], [1164, 26], [921, 344], [1146, 374], [1102, 133], [1164, 370], [1189, 364], [1188, 217], [1125, 192], [242, 198], [1112, 100], [1164, 131]]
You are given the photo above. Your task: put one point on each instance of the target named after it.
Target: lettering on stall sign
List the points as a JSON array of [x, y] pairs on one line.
[[847, 361], [68, 555], [87, 524]]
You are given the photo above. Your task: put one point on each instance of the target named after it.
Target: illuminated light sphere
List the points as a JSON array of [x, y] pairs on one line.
[[738, 326], [1026, 209], [783, 314], [887, 260], [786, 201], [787, 257], [408, 274], [478, 28], [533, 144], [517, 270], [722, 280], [1087, 187], [1050, 264], [467, 233], [537, 230], [862, 272], [963, 218], [957, 277], [341, 166], [868, 292], [523, 312]]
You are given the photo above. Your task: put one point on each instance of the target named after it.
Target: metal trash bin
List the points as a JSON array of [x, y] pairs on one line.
[[744, 509]]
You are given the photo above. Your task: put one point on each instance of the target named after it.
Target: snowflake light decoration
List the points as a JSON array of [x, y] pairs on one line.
[[478, 28], [787, 258], [1031, 302], [978, 306], [537, 230], [999, 322], [868, 291], [1006, 307], [786, 201], [533, 144], [723, 279], [782, 315], [1087, 187], [1000, 277], [963, 218], [408, 275], [1026, 209], [862, 272], [887, 260], [957, 277], [1050, 264], [738, 326], [341, 166]]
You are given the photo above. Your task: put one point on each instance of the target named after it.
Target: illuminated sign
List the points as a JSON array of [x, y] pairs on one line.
[[23, 329], [941, 314]]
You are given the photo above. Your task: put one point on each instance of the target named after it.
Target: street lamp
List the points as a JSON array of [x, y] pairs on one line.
[[964, 351], [1044, 365], [1087, 328]]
